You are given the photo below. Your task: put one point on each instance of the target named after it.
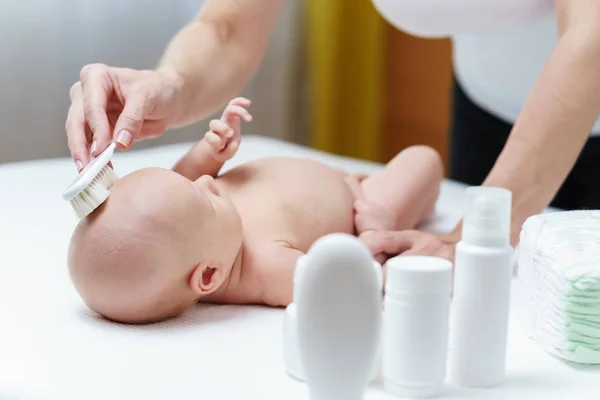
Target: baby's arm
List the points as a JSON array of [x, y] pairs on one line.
[[198, 161], [277, 274], [219, 144], [403, 193]]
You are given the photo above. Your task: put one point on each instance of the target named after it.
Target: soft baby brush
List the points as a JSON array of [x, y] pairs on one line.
[[91, 187]]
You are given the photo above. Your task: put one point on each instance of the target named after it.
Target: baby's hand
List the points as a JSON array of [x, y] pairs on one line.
[[224, 135]]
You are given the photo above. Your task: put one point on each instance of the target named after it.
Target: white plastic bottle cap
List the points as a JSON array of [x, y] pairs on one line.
[[418, 275], [487, 216]]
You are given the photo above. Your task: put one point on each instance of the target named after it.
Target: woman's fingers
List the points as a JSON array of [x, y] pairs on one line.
[[410, 242], [150, 128], [115, 104], [97, 88], [75, 126], [389, 242], [131, 120]]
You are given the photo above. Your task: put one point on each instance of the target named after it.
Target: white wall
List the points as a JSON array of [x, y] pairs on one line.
[[44, 44]]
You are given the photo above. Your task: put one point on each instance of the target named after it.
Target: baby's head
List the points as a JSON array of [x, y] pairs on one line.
[[157, 245]]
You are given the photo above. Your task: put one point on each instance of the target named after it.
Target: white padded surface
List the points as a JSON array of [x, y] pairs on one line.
[[51, 347]]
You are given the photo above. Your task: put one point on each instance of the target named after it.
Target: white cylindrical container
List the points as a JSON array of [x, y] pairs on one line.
[[415, 325], [481, 297]]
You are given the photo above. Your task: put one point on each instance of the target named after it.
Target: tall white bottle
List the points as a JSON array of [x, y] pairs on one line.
[[338, 318], [481, 297]]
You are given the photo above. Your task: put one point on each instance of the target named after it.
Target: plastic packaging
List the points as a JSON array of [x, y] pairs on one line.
[[481, 298], [415, 327], [338, 318], [558, 284]]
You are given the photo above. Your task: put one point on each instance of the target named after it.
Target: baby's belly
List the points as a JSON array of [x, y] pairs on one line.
[[330, 212]]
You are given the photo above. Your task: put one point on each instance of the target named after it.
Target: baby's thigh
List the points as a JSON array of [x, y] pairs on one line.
[[354, 181], [407, 186]]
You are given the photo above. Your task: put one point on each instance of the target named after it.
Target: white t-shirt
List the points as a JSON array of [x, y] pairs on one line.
[[500, 46]]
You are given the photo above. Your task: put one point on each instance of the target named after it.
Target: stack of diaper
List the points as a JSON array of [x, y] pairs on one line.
[[558, 283]]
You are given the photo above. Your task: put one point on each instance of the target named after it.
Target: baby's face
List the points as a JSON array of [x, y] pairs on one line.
[[134, 258]]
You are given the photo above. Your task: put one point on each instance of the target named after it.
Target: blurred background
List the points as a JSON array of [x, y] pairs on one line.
[[336, 76]]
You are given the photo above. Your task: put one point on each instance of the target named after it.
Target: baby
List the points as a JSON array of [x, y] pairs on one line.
[[167, 239]]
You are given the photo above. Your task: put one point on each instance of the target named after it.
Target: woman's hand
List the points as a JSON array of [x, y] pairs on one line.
[[120, 104], [387, 244]]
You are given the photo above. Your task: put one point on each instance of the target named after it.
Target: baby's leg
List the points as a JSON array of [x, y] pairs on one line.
[[407, 188]]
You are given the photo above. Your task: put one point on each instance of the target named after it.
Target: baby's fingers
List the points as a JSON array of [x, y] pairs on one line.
[[215, 141], [233, 111], [240, 101], [231, 149], [221, 128]]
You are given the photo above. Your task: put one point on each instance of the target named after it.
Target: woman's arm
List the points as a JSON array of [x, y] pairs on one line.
[[205, 64], [557, 117], [441, 18], [218, 52]]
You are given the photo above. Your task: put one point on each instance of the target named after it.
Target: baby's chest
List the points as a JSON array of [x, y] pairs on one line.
[[300, 211]]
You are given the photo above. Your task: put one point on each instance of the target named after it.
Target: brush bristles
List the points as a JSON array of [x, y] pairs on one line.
[[95, 193]]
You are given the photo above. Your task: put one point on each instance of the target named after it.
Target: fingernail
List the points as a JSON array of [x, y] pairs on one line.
[[124, 138], [79, 165], [230, 133], [93, 148]]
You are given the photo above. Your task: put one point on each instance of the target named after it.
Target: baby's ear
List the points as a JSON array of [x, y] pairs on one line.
[[205, 279]]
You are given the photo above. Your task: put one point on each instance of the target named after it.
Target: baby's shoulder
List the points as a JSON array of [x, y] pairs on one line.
[[264, 246]]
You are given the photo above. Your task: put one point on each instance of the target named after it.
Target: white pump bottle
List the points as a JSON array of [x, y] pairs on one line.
[[481, 297]]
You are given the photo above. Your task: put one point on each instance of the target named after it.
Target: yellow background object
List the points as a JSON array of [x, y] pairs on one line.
[[346, 60]]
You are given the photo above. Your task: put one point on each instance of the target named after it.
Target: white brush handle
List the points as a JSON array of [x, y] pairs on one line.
[[89, 173]]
